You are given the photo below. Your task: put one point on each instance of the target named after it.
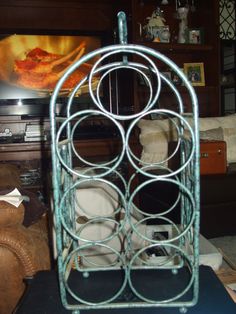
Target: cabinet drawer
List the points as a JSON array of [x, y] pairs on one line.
[[213, 158]]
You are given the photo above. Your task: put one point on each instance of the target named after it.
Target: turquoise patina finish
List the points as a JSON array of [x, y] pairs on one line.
[[106, 258]]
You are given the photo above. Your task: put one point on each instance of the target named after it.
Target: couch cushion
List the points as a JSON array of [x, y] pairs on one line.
[[155, 135], [216, 134], [11, 215]]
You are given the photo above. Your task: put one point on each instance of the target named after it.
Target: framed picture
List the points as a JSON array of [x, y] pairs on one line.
[[195, 73], [175, 79], [195, 36], [167, 74]]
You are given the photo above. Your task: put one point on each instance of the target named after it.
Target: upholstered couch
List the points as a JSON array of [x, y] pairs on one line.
[[24, 245], [156, 134]]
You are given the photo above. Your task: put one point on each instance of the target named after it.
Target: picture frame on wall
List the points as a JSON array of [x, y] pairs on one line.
[[167, 74], [195, 73], [195, 36]]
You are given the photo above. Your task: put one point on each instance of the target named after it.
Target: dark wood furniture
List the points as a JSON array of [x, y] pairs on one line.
[[217, 202], [206, 17], [42, 16]]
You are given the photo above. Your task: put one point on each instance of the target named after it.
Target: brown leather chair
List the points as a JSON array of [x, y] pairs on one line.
[[23, 251]]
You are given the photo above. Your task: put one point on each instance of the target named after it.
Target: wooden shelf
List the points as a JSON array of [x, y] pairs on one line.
[[205, 17], [182, 89], [179, 48], [38, 150]]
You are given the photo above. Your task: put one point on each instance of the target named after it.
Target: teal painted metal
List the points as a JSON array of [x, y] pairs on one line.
[[117, 251]]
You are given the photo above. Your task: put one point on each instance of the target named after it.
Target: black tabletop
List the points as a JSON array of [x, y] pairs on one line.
[[42, 297]]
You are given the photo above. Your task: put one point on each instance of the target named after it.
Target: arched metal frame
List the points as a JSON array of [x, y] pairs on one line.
[[128, 261]]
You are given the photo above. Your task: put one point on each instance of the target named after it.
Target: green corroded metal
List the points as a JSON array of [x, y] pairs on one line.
[[72, 173]]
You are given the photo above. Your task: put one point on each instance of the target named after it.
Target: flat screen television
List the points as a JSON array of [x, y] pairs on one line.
[[31, 64]]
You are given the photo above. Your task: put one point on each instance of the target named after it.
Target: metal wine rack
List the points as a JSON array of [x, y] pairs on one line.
[[125, 257]]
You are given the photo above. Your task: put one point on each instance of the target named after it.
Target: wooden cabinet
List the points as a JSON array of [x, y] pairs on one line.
[[217, 203], [56, 15], [101, 16], [205, 17]]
